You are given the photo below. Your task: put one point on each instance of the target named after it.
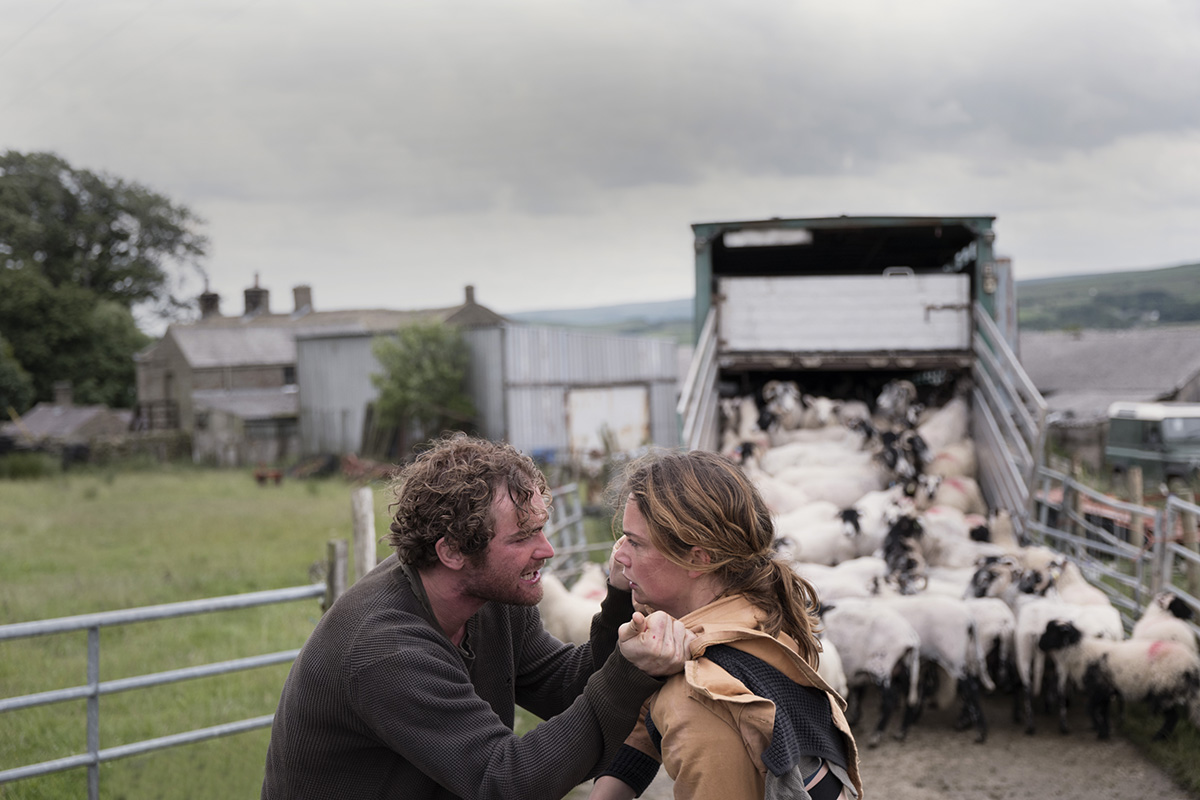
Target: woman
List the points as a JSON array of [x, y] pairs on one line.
[[749, 717]]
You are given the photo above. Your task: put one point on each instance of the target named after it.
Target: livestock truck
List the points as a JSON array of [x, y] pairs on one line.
[[842, 305]]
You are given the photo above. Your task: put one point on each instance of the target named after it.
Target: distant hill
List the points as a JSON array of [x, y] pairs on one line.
[[1130, 299], [668, 319], [1133, 298]]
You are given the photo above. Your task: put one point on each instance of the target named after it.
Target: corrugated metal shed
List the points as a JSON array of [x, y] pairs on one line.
[[520, 379]]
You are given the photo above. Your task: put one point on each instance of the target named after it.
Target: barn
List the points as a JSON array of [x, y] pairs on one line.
[[1081, 373], [552, 392]]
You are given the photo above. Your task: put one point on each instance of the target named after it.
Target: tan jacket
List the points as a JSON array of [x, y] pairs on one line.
[[713, 728]]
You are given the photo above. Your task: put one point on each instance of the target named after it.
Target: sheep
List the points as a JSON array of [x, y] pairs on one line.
[[949, 639], [894, 402], [960, 492], [566, 616], [1165, 619], [853, 412], [830, 668], [853, 436], [740, 416], [817, 542], [1067, 581], [779, 496], [821, 411], [873, 514], [784, 405], [995, 628], [1034, 614], [778, 460], [1165, 674], [877, 645], [956, 460], [945, 425], [843, 485], [592, 583]]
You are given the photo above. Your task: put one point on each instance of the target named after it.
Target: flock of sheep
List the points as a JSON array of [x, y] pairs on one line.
[[927, 595]]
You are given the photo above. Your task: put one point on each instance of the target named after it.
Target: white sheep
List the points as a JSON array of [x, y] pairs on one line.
[[961, 492], [830, 668], [954, 461], [816, 542], [877, 645], [1068, 582], [1166, 619], [1164, 673], [949, 639], [946, 425], [565, 616], [995, 627], [592, 583], [777, 460]]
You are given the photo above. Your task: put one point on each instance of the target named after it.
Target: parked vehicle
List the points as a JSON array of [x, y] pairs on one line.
[[842, 305], [1161, 438]]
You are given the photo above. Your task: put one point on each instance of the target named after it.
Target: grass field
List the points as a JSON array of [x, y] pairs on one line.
[[89, 542]]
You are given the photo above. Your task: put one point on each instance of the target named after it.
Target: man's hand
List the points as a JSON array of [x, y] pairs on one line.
[[658, 644]]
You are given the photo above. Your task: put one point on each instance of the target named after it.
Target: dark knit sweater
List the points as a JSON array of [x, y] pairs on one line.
[[379, 703]]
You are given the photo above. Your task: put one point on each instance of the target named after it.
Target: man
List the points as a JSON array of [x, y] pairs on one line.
[[408, 685]]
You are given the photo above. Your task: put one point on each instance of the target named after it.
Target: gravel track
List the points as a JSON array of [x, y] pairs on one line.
[[936, 761]]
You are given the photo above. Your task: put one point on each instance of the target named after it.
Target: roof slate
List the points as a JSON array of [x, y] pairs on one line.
[[270, 339], [1084, 372]]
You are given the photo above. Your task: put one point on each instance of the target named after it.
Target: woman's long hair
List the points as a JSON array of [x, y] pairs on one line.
[[701, 499]]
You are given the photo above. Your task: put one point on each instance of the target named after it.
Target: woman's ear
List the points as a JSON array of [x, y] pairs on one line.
[[699, 557]]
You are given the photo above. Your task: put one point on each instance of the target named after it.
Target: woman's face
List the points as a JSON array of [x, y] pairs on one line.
[[655, 581]]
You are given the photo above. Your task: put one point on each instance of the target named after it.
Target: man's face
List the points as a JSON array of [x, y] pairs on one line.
[[510, 571]]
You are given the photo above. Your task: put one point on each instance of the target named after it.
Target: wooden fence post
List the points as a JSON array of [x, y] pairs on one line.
[[335, 571], [362, 502]]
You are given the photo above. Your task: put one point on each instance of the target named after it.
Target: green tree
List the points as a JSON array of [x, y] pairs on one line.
[[422, 385], [67, 333], [78, 252], [106, 235], [16, 387]]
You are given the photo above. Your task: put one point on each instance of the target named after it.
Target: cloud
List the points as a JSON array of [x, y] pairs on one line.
[[533, 144]]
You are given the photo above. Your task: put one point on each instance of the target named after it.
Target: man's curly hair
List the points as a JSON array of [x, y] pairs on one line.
[[448, 492]]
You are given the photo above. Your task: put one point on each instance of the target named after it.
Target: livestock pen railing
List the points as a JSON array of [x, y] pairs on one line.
[[1128, 550], [565, 529], [95, 688], [567, 532]]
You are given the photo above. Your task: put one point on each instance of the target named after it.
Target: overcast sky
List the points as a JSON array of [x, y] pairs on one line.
[[555, 152]]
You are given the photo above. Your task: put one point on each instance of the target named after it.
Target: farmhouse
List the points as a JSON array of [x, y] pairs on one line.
[[1081, 373], [232, 382]]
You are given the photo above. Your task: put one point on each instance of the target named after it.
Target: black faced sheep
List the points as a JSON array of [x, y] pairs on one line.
[[1166, 618], [1164, 674]]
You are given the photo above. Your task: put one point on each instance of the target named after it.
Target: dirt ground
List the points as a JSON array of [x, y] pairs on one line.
[[936, 761]]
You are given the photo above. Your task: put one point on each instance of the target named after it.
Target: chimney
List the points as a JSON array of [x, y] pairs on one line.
[[62, 393], [470, 295], [258, 301], [303, 297], [210, 304]]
